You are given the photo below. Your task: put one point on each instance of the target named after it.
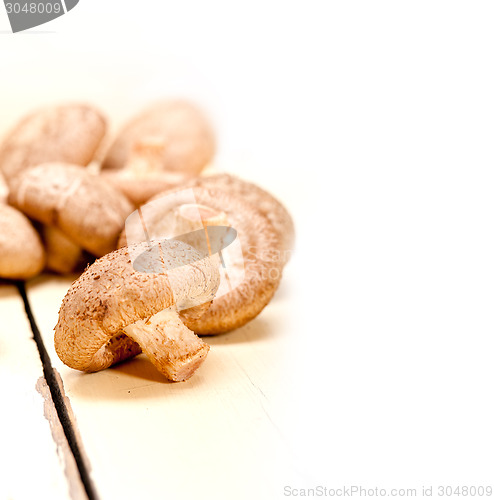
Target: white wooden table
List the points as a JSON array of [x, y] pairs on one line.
[[218, 435], [214, 436], [34, 453]]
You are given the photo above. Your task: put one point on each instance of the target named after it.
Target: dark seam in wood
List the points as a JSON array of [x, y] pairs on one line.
[[58, 398]]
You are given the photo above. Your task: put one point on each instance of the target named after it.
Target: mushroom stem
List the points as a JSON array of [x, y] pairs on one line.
[[196, 216], [4, 190], [191, 217], [62, 254], [146, 157], [143, 176], [174, 349]]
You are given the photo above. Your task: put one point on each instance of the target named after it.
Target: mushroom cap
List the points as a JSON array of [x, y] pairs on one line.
[[21, 252], [69, 133], [265, 203], [260, 246], [111, 295], [186, 131], [90, 212]]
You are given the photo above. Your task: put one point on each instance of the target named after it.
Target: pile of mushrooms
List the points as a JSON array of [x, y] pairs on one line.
[[170, 252]]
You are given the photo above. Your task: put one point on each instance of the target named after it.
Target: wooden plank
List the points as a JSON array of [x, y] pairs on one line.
[[35, 459], [214, 436]]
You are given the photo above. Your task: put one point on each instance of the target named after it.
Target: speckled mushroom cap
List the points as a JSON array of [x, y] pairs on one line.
[[265, 202], [69, 133], [21, 252], [90, 212], [111, 294], [185, 130], [260, 246]]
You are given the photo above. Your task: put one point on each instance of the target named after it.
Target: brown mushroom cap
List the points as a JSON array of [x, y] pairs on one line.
[[185, 130], [69, 133], [260, 246], [21, 253], [90, 212], [111, 296], [265, 202]]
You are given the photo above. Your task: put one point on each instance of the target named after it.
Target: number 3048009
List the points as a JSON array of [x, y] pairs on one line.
[[464, 491], [34, 8]]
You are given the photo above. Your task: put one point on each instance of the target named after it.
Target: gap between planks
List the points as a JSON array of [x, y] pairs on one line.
[[60, 403]]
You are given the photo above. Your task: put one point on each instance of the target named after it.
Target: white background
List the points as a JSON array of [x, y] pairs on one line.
[[374, 122]]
